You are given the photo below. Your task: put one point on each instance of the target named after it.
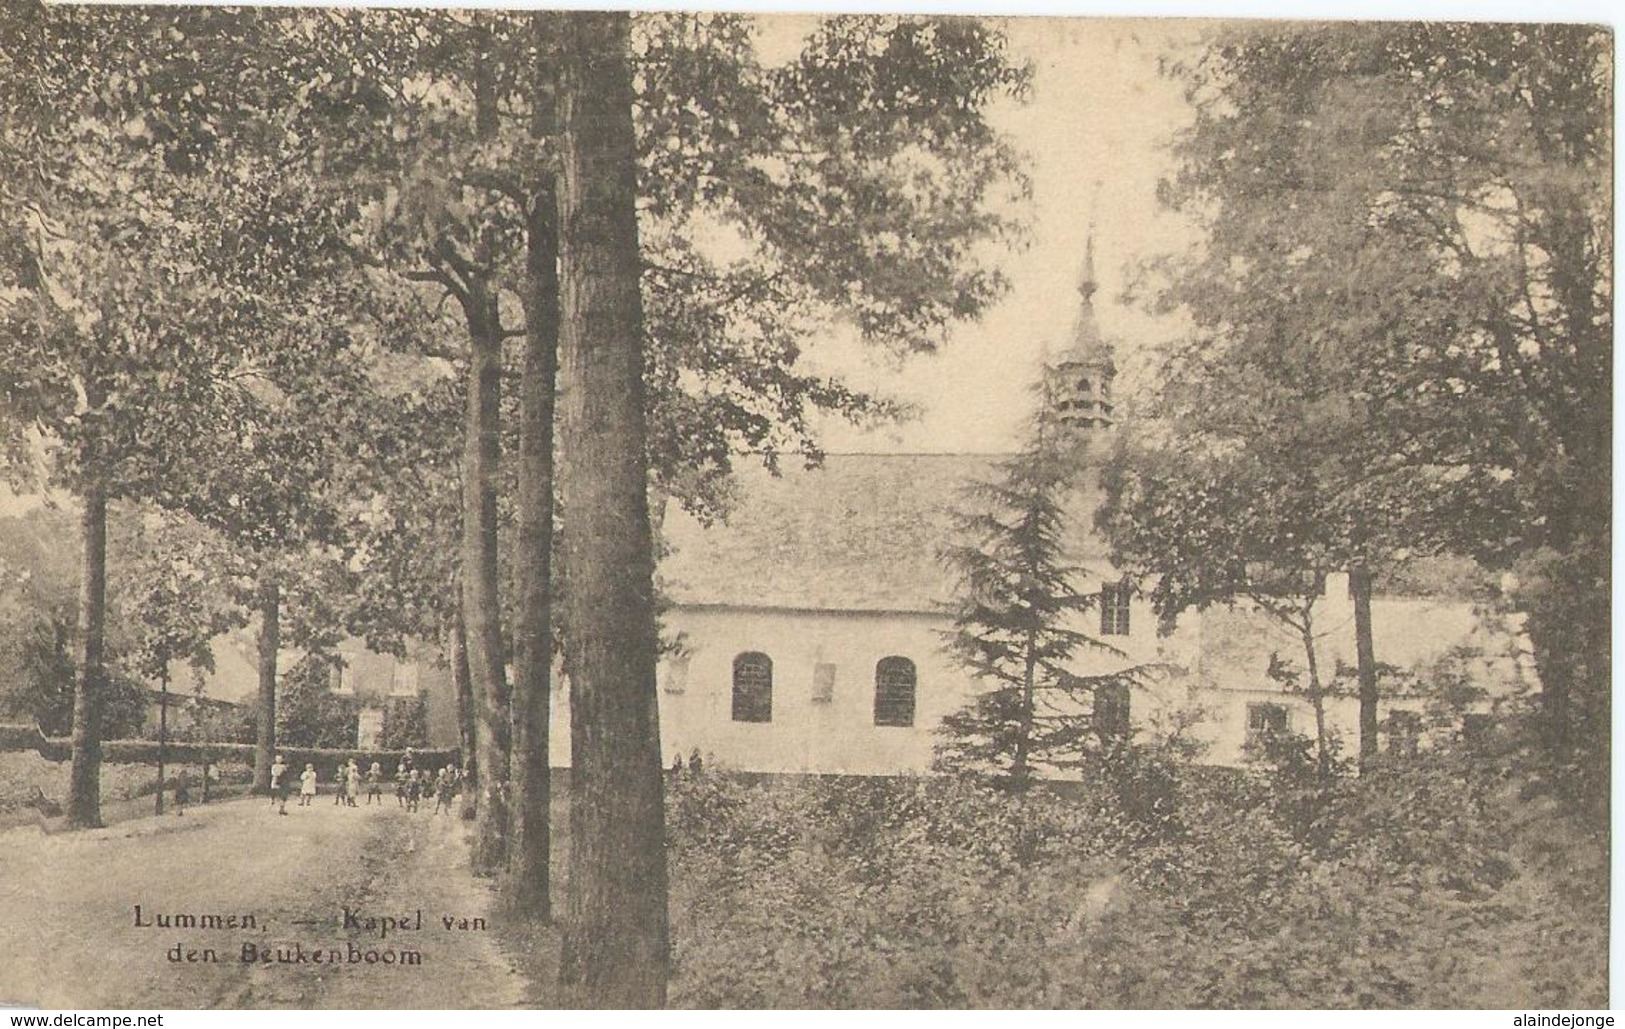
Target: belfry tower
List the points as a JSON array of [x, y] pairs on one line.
[[1080, 378]]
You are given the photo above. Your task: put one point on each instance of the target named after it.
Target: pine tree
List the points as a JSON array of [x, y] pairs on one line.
[[1016, 617]]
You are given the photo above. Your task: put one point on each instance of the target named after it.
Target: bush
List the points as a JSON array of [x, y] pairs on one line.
[[41, 684], [308, 713], [842, 892], [406, 722]]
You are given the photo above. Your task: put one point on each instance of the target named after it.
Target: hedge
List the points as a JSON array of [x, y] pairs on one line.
[[28, 737]]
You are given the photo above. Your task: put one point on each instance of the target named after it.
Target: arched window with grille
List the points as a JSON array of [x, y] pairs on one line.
[[753, 687], [894, 691]]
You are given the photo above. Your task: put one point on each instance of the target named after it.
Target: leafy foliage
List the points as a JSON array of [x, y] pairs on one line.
[[858, 183], [40, 686], [309, 713], [1432, 885], [1405, 300], [406, 723]]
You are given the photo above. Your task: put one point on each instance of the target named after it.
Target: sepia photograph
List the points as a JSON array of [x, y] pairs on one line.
[[508, 509]]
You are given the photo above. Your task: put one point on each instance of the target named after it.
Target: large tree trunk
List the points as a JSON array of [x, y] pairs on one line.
[[270, 603], [482, 610], [615, 947], [84, 781], [463, 685], [1365, 658], [533, 640]]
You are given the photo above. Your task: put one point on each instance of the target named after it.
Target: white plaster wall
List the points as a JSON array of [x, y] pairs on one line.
[[809, 735], [1214, 664], [1222, 728]]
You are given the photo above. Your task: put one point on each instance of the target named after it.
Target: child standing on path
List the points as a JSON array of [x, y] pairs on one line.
[[400, 785], [279, 785], [341, 779], [414, 790], [375, 789], [442, 790], [307, 786], [352, 790]]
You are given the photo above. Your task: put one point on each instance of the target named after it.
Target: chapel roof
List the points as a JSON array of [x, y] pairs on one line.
[[862, 532]]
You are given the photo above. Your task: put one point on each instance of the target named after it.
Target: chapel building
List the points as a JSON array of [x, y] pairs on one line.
[[810, 627]]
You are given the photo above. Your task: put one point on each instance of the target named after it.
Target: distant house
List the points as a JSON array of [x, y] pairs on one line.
[[387, 687], [377, 683], [188, 716]]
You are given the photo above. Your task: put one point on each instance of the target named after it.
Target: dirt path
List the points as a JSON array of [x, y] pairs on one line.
[[70, 939]]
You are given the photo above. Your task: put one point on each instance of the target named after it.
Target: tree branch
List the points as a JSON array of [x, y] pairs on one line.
[[439, 277], [472, 274], [498, 184]]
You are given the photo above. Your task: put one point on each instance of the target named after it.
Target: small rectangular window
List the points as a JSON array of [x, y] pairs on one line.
[[1114, 608], [1111, 715], [1264, 720], [823, 683]]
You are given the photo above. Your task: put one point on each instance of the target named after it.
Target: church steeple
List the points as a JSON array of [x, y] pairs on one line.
[[1086, 281], [1082, 375]]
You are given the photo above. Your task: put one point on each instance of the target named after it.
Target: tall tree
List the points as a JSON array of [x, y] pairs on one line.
[[530, 855], [476, 287], [1407, 234], [481, 605], [1213, 525], [1017, 616], [616, 945], [112, 353]]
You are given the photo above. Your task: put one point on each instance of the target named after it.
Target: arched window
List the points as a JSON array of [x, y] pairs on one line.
[[894, 691], [753, 688]]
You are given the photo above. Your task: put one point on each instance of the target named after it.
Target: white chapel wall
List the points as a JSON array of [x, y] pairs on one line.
[[1213, 665]]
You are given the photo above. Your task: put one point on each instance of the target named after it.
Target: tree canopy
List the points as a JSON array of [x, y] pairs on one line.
[[1402, 314]]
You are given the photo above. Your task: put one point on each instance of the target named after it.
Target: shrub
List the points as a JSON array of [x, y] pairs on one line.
[[842, 892]]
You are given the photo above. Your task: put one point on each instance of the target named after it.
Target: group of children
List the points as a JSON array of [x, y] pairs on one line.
[[411, 784]]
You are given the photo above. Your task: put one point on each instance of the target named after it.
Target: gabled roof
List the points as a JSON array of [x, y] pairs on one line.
[[860, 533]]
